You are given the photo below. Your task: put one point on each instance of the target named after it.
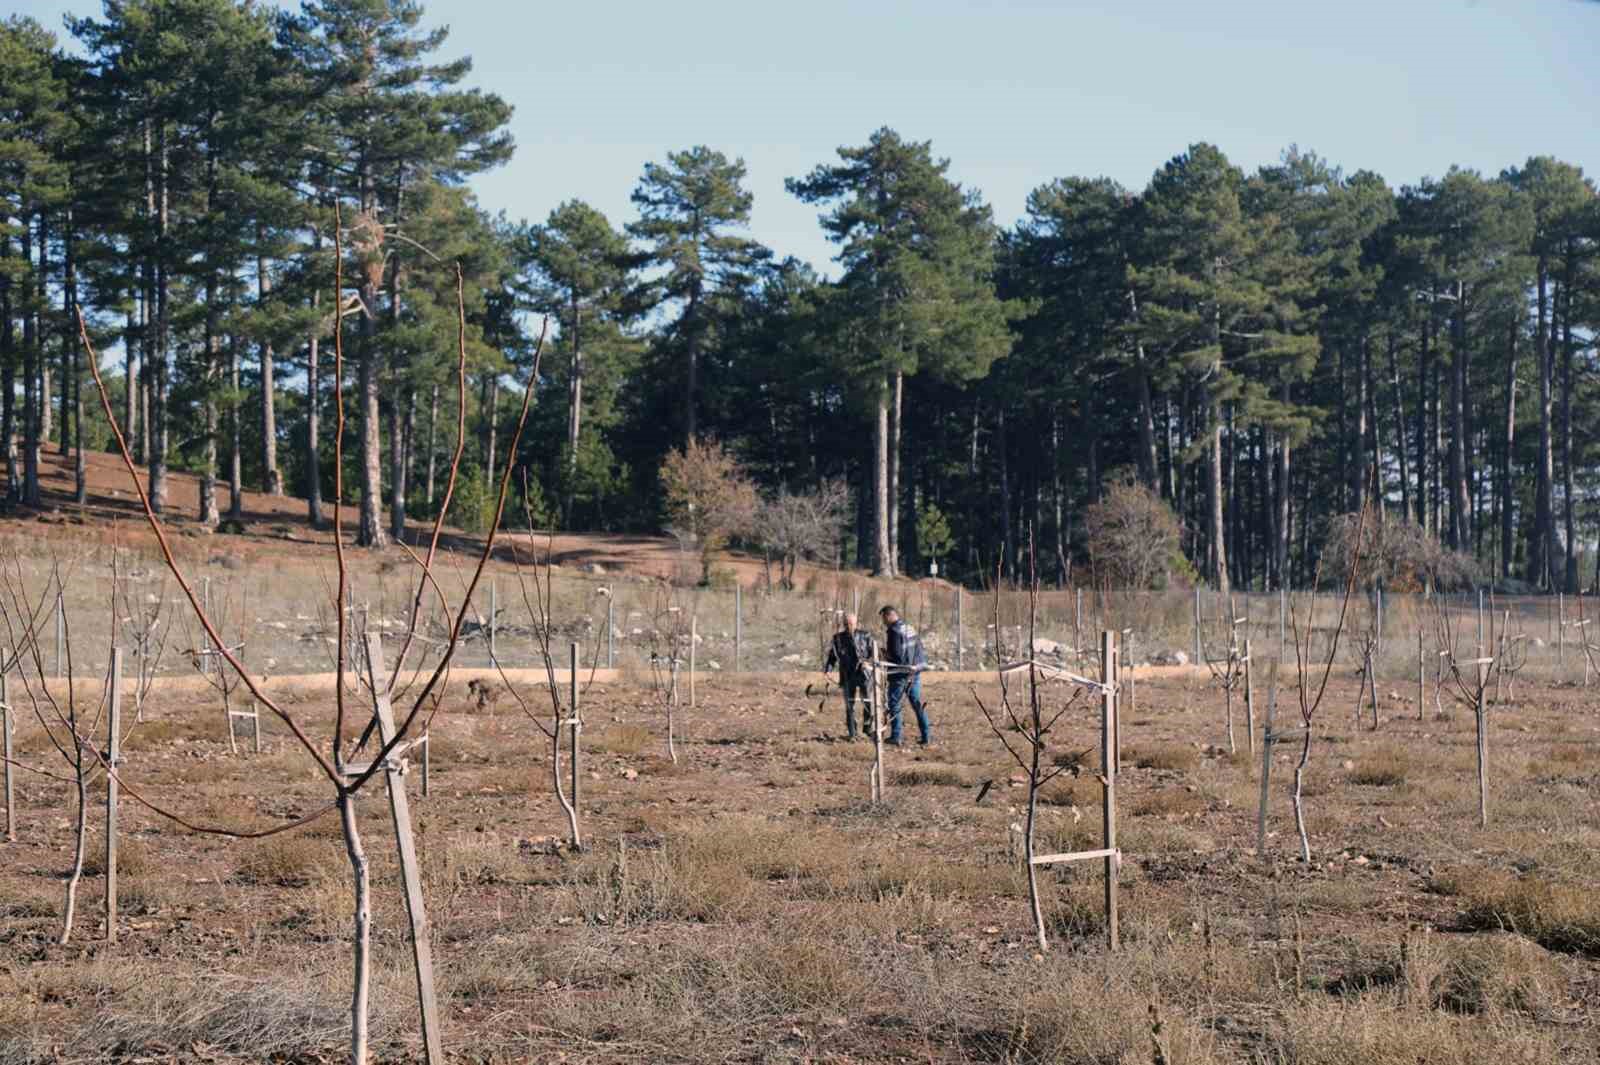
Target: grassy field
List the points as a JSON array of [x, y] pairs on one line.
[[765, 912]]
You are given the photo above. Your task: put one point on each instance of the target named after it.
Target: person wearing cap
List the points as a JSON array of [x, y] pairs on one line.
[[852, 648], [906, 660]]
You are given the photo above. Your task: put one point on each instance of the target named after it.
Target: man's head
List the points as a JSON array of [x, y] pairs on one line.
[[849, 623], [889, 615]]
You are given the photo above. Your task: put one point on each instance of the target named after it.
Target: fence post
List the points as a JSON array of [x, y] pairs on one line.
[[1421, 678], [113, 762], [694, 632], [494, 603], [1283, 629], [1249, 698], [960, 650], [738, 624], [1108, 770], [1266, 769], [1480, 622], [61, 635], [611, 627], [1561, 631], [1196, 660]]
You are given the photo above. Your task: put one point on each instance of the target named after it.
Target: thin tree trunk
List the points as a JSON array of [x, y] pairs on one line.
[[130, 362], [1423, 376], [80, 838], [157, 421], [313, 485], [1460, 499], [8, 381], [1399, 426], [1569, 523], [30, 377], [1506, 493], [433, 429], [362, 945], [1358, 458], [894, 473], [1542, 552], [882, 559], [1219, 548], [235, 438], [575, 409], [271, 476]]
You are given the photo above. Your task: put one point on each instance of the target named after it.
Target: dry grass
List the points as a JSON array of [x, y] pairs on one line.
[[1177, 757], [291, 860], [1382, 767], [1557, 916], [938, 776], [766, 912]]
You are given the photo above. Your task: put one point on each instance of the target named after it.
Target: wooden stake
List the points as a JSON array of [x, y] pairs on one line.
[[1266, 772], [1421, 678], [114, 762], [1249, 699], [1108, 777], [738, 624], [693, 633], [410, 873], [11, 794]]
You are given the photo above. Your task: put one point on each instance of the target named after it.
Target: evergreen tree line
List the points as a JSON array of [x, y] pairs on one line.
[[1263, 351]]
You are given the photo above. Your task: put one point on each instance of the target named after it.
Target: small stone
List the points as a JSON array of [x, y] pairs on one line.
[[1347, 765]]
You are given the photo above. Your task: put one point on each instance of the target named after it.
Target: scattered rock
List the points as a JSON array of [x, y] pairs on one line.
[[594, 567], [792, 659], [1042, 646]]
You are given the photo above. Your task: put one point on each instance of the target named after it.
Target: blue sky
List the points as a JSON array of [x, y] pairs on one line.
[[1015, 93]]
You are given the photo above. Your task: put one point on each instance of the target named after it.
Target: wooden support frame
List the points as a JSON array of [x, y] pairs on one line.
[[1110, 743]]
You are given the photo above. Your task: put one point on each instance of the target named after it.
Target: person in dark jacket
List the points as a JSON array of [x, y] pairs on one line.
[[906, 660], [851, 650]]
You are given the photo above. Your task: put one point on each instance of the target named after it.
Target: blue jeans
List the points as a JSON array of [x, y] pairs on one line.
[[910, 689]]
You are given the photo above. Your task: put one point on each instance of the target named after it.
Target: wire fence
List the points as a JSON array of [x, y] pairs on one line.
[[282, 615]]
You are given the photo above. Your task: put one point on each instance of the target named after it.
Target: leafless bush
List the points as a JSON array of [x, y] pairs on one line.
[[710, 497], [1133, 537], [1389, 551], [792, 526]]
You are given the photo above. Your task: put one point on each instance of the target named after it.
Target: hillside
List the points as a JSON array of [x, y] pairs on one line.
[[278, 526]]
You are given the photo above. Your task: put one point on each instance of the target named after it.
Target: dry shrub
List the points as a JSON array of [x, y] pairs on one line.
[[627, 741], [1384, 767], [1088, 1014], [476, 861], [1344, 896], [1373, 1030], [1170, 803], [801, 973], [940, 878], [1500, 974], [941, 776], [1560, 917], [1083, 792], [1179, 757], [293, 861]]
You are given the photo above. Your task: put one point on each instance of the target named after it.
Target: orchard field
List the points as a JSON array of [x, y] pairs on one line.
[[749, 904]]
